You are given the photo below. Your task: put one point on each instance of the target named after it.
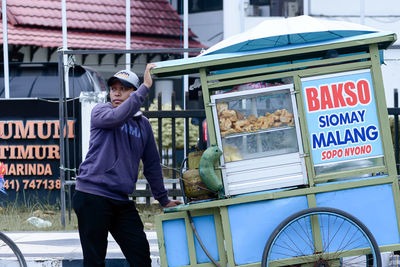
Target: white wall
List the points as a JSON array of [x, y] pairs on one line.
[[233, 17], [352, 7], [208, 26]]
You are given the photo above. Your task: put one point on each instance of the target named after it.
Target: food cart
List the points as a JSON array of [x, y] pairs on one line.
[[307, 164]]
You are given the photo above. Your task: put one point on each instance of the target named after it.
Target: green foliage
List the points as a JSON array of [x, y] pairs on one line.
[[167, 128]]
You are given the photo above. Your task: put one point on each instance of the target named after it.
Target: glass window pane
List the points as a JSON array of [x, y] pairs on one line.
[[257, 125]]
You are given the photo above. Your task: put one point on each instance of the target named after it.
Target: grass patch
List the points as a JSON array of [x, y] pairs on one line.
[[14, 218]]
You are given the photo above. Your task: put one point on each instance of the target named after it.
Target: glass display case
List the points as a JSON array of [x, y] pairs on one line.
[[257, 130]]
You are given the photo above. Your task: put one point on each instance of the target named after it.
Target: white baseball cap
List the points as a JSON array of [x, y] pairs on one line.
[[126, 77]]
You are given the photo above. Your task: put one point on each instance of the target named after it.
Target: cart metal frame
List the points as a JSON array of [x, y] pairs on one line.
[[356, 53]]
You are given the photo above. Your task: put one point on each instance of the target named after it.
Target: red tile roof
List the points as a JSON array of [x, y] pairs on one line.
[[95, 24], [88, 40]]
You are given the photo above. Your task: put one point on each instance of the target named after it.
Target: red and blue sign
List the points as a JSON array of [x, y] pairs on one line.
[[341, 117]]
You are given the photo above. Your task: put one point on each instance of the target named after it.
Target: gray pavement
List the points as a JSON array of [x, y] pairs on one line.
[[63, 249]]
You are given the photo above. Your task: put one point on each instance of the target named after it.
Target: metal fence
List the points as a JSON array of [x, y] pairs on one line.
[[395, 111], [172, 178]]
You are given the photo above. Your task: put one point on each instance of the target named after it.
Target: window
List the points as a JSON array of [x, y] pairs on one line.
[[201, 6], [281, 8]]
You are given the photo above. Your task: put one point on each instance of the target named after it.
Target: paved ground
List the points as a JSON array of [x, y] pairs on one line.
[[63, 249]]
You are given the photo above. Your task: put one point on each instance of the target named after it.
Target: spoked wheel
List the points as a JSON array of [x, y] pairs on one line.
[[336, 239], [10, 252]]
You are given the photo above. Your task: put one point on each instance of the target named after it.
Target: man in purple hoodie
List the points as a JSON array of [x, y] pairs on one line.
[[119, 138]]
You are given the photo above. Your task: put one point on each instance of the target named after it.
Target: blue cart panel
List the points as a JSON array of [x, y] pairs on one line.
[[252, 223], [374, 207], [176, 240]]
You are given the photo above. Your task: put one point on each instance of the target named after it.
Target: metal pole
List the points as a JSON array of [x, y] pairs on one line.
[[64, 23], [185, 55], [362, 12], [241, 15], [128, 33], [61, 101], [396, 129], [64, 93], [65, 44], [5, 50]]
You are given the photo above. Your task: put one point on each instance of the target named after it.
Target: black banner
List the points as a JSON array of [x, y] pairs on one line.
[[30, 149]]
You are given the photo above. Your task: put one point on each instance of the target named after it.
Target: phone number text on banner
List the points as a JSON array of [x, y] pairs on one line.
[[341, 117]]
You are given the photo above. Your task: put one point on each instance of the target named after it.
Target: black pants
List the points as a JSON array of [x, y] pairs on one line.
[[99, 215]]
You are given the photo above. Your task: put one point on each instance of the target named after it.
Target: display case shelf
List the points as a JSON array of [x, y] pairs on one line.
[[282, 128]]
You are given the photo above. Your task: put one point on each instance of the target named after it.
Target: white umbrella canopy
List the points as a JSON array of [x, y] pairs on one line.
[[288, 31]]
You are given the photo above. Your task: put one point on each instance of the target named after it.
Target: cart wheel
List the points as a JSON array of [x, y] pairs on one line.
[[344, 241]]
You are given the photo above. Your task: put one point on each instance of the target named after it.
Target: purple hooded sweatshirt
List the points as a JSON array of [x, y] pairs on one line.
[[118, 140]]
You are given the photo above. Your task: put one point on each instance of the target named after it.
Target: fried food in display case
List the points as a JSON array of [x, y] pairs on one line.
[[232, 121], [254, 124]]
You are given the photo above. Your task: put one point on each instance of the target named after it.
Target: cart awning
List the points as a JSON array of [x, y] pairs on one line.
[[192, 65]]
